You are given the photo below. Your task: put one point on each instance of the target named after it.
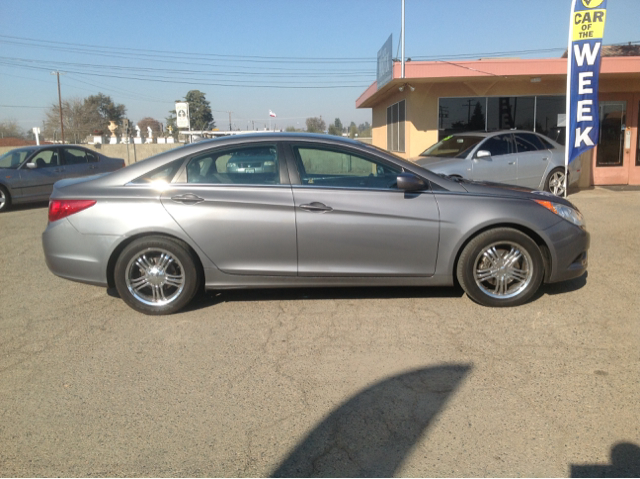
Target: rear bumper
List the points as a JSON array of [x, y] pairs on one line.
[[569, 251], [72, 255]]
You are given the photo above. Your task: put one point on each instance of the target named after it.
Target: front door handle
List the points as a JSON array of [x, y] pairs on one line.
[[188, 199], [512, 162], [316, 207]]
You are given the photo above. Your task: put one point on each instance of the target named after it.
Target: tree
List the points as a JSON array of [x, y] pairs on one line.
[[10, 129], [316, 125], [200, 116], [199, 110], [100, 110], [83, 117], [353, 130], [76, 123], [364, 130], [155, 125], [336, 128]]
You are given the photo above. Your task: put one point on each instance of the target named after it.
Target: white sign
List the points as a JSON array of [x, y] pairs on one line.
[[182, 115]]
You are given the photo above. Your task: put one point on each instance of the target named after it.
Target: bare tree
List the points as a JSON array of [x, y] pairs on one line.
[[10, 129]]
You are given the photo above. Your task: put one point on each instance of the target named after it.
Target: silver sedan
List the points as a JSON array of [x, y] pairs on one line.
[[514, 157], [27, 174], [331, 212]]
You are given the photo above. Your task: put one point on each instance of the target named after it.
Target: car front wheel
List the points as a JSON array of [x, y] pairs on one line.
[[157, 275], [501, 267]]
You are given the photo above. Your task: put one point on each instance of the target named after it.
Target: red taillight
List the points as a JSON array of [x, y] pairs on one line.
[[59, 209]]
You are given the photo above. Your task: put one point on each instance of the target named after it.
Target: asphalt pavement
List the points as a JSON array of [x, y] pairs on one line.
[[335, 382]]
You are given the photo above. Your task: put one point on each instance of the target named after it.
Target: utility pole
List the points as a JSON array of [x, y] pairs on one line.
[[229, 119], [57, 74], [402, 41]]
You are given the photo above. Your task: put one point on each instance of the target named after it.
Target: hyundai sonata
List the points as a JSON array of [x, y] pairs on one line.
[[330, 212]]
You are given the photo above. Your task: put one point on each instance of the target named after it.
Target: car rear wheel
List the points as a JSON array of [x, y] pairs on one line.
[[501, 267], [5, 199], [157, 275], [555, 182]]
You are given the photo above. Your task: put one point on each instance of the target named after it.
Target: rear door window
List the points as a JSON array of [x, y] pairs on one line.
[[526, 142], [247, 165], [74, 156]]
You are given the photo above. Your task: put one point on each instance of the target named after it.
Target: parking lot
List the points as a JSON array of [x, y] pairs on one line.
[[340, 382]]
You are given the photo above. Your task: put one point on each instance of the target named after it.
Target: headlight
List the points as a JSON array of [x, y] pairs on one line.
[[570, 214]]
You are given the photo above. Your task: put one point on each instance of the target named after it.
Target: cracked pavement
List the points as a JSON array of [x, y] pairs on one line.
[[322, 382]]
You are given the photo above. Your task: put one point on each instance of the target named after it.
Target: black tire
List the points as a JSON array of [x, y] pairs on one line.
[[157, 275], [554, 182], [500, 267], [5, 199]]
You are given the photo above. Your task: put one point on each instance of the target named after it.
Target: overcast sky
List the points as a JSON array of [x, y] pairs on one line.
[[298, 58]]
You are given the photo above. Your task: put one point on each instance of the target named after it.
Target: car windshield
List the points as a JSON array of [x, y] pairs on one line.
[[12, 159], [454, 146]]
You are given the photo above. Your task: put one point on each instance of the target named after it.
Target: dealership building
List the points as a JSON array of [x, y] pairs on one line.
[[438, 98]]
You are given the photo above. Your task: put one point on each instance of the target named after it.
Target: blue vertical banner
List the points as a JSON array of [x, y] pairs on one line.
[[584, 52]]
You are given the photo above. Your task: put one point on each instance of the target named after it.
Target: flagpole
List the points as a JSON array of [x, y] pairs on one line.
[[567, 118]]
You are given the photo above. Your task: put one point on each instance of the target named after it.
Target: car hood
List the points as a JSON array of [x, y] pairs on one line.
[[510, 191], [434, 161]]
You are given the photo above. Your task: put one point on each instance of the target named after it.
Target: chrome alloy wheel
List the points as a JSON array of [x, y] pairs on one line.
[[155, 277], [3, 199], [556, 183], [503, 270]]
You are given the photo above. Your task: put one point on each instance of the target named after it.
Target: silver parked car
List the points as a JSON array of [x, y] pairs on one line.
[[334, 212], [27, 174], [514, 157]]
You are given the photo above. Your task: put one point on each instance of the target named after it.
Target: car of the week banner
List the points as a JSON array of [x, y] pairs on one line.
[[585, 45]]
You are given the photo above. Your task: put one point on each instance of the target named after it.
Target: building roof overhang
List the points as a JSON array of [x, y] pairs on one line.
[[492, 69]]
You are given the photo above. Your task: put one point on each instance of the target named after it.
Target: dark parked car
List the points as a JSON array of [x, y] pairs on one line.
[[27, 174], [514, 157], [333, 212]]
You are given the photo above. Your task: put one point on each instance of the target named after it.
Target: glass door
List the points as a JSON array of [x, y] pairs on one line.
[[612, 128]]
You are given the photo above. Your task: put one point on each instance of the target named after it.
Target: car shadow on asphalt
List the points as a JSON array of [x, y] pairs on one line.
[[211, 298], [563, 287], [625, 462], [371, 434]]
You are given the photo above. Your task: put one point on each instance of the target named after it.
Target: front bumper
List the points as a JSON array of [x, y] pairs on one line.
[[568, 247]]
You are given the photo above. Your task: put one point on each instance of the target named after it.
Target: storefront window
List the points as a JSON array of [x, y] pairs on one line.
[[550, 117], [507, 112], [458, 115], [543, 114]]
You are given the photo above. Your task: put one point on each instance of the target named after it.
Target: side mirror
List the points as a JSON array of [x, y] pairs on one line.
[[410, 182], [31, 165], [483, 154]]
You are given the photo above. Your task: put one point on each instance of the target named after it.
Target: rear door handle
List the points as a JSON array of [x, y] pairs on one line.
[[188, 199], [545, 159], [316, 207], [512, 162]]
